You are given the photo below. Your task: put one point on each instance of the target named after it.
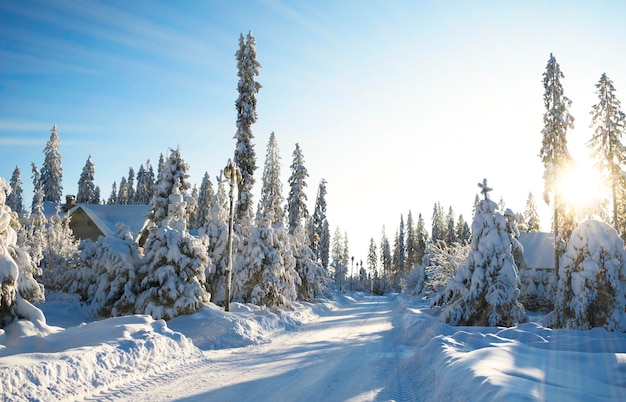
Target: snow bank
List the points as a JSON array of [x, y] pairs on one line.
[[526, 362], [72, 363]]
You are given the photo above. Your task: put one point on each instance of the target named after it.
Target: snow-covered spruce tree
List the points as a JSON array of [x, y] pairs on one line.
[[38, 196], [313, 276], [172, 274], [451, 237], [145, 183], [438, 231], [15, 201], [422, 238], [484, 290], [86, 188], [385, 257], [245, 157], [399, 252], [554, 154], [440, 267], [214, 232], [592, 283], [12, 305], [113, 197], [265, 271], [205, 201], [318, 238], [122, 193], [32, 237], [463, 233], [114, 261], [337, 259], [130, 185], [192, 221], [410, 243], [531, 215], [606, 146], [51, 171]]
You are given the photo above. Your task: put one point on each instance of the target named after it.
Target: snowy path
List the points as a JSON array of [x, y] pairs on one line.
[[348, 354]]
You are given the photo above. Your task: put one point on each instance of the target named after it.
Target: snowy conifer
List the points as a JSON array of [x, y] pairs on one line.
[[122, 194], [337, 259], [296, 201], [422, 238], [51, 171], [214, 231], [172, 274], [451, 237], [531, 215], [192, 221], [385, 255], [463, 233], [591, 290], [113, 197], [485, 289], [607, 149], [438, 232], [399, 252], [554, 154], [13, 261], [61, 258], [245, 157], [319, 238], [145, 183], [272, 201], [15, 201], [114, 260], [205, 201], [86, 189], [411, 243], [37, 194]]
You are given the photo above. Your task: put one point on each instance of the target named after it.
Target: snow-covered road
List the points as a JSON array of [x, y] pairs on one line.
[[347, 354]]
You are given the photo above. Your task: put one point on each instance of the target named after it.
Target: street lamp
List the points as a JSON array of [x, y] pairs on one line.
[[233, 175]]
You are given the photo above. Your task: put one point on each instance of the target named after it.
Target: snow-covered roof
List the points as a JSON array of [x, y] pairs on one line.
[[106, 216], [538, 249]]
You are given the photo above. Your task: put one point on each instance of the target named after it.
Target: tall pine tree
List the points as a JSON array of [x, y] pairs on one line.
[[51, 171], [86, 187], [15, 201]]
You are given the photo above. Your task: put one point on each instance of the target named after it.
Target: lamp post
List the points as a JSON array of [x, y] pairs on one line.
[[233, 175]]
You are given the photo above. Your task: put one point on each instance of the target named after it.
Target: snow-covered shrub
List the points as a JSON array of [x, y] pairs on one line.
[[313, 277], [413, 283], [114, 261], [485, 289], [13, 260], [537, 289], [61, 256], [592, 280], [443, 262]]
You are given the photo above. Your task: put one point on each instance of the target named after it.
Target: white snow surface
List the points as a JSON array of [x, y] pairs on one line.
[[354, 347]]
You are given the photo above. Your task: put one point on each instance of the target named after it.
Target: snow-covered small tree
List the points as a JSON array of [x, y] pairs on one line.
[[38, 195], [122, 193], [531, 215], [337, 259], [385, 255], [591, 290], [317, 227], [438, 231], [61, 258], [214, 232], [86, 188], [451, 236], [441, 266], [113, 197], [13, 261], [51, 170], [172, 273], [114, 261], [130, 185], [145, 183], [296, 201], [484, 290], [15, 201], [206, 197], [463, 233], [399, 252]]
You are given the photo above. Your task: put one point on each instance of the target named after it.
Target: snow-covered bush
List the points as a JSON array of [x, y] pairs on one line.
[[12, 305], [592, 280], [444, 260], [114, 261], [485, 289], [61, 256], [537, 289]]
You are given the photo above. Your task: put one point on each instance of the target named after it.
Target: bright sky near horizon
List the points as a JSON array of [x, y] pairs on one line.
[[397, 104]]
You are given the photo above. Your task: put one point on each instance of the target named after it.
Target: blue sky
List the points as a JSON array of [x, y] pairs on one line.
[[396, 104]]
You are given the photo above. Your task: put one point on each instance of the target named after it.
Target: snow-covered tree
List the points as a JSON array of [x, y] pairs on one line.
[[192, 221], [399, 252], [113, 197], [531, 215], [122, 194], [608, 122], [451, 237], [592, 282], [61, 257], [265, 270], [385, 254], [442, 265], [214, 232], [438, 232], [15, 201], [462, 230], [422, 238], [205, 201], [130, 186], [145, 183], [296, 201], [245, 158], [410, 243], [86, 187], [51, 171], [337, 258], [172, 274], [484, 290], [114, 261], [372, 258], [38, 196], [317, 228], [13, 262], [554, 154]]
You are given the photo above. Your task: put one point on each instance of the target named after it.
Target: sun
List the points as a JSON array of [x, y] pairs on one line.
[[580, 187]]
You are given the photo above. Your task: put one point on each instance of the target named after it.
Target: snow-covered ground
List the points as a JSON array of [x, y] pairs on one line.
[[353, 348]]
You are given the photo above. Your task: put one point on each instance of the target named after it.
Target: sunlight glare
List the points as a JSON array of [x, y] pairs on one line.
[[580, 188]]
